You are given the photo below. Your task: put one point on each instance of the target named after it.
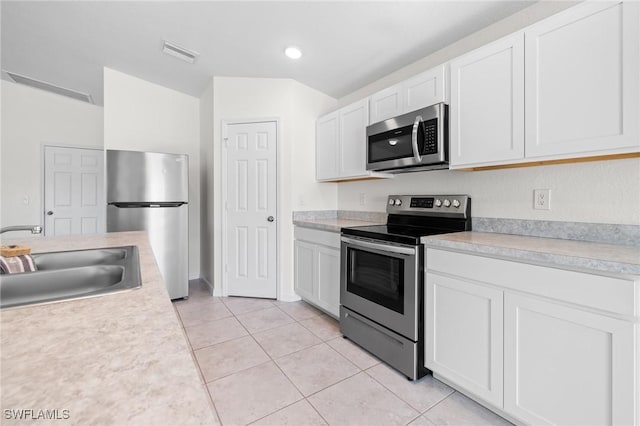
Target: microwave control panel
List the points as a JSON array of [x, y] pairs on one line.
[[430, 128]]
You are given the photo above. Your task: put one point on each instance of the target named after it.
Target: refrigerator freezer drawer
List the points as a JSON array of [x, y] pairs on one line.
[[168, 230]]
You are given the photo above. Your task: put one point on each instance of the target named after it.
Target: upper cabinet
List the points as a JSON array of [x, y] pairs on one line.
[[353, 139], [487, 103], [327, 146], [341, 143], [582, 90], [427, 88], [572, 81]]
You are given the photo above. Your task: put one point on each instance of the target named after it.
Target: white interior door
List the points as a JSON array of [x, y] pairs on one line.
[[251, 227], [73, 191]]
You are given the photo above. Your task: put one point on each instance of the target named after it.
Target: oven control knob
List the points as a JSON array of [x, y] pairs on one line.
[[398, 202], [456, 204], [446, 203], [438, 202], [391, 201]]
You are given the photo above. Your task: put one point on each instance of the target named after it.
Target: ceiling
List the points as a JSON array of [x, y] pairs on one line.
[[345, 44]]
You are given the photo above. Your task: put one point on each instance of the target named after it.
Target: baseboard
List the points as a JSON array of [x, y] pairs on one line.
[[214, 291], [289, 297]]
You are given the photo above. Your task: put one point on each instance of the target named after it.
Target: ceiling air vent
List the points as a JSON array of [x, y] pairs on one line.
[[180, 52], [85, 97]]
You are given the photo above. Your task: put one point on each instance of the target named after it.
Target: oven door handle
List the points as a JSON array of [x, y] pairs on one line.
[[414, 139], [381, 247]]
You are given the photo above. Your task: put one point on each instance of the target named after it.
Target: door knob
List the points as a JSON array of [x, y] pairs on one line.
[[270, 219], [49, 213]]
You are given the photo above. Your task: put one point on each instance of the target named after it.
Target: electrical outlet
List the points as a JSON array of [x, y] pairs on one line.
[[363, 199], [301, 201], [542, 199]]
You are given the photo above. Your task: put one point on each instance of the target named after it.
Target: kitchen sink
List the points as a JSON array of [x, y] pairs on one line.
[[72, 274]]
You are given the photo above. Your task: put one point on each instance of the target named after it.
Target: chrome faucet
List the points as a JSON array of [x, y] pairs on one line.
[[35, 229]]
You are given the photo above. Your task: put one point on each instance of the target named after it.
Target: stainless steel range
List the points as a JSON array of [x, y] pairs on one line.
[[382, 277]]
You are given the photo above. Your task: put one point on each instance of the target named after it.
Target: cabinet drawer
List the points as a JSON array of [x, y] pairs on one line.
[[326, 238], [616, 295]]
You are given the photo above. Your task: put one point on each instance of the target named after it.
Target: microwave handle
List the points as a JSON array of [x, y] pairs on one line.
[[414, 139]]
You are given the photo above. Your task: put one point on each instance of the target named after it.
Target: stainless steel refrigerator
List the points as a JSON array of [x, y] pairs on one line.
[[150, 191]]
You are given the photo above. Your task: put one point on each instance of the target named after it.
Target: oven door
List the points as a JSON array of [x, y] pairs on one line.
[[380, 281]]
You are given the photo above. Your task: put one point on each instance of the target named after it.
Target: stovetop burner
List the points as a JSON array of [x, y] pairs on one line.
[[414, 216]]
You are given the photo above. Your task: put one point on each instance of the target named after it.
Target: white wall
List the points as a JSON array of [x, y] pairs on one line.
[[297, 107], [142, 116], [599, 192], [30, 118]]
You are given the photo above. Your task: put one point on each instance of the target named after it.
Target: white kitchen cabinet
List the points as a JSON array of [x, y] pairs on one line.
[[464, 335], [567, 366], [304, 261], [582, 81], [487, 104], [317, 268], [386, 104], [353, 139], [565, 343], [327, 146], [425, 89], [565, 87], [341, 144], [328, 276]]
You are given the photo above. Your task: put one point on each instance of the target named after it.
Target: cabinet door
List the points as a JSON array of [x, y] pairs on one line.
[[427, 88], [328, 276], [582, 81], [304, 269], [353, 139], [487, 104], [567, 366], [385, 104], [327, 146], [463, 327]]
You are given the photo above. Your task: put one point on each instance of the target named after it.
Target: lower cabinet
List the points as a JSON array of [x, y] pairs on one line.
[[317, 268], [542, 345], [567, 366], [464, 335]]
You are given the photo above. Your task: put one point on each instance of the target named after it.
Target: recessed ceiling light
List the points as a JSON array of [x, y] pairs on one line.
[[180, 52], [293, 52]]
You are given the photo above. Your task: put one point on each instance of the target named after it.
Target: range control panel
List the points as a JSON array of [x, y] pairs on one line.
[[449, 205]]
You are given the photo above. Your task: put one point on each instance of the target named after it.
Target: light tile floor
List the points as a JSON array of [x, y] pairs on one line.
[[276, 363]]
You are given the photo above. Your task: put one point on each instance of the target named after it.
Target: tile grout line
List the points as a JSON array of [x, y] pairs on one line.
[[199, 370]]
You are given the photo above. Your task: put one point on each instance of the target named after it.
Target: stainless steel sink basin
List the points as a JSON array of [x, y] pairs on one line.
[[72, 274]]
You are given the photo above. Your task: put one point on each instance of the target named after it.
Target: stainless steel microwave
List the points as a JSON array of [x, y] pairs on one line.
[[411, 142]]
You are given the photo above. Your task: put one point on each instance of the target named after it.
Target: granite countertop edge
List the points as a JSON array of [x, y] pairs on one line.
[[332, 225], [526, 253]]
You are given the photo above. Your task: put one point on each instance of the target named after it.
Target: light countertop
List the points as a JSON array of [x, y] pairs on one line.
[[121, 358], [332, 225], [609, 258]]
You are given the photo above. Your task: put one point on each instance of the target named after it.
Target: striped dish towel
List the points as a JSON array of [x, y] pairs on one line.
[[16, 264]]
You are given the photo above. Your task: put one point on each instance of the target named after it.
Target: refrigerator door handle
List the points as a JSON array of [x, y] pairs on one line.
[[130, 205]]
